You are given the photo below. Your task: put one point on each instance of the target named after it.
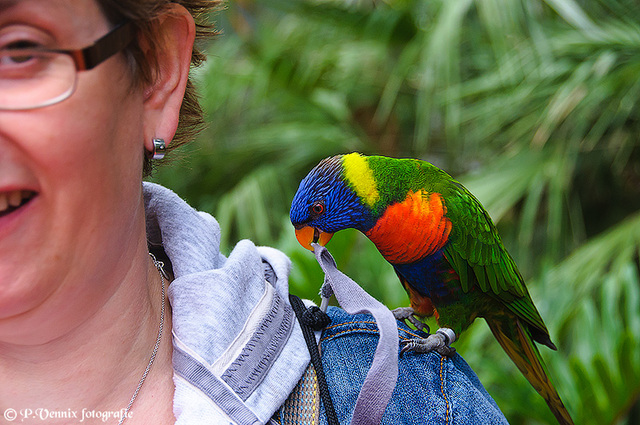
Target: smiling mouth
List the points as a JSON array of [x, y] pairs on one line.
[[13, 200]]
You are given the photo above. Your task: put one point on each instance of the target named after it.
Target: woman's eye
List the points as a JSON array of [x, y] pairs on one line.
[[17, 52], [16, 57], [14, 60], [24, 59]]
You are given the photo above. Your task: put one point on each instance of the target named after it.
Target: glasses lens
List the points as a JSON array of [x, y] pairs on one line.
[[31, 78]]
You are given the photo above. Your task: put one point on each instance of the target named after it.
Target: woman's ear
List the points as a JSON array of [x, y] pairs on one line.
[[175, 33]]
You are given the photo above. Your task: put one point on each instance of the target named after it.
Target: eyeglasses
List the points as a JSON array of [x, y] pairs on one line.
[[32, 77]]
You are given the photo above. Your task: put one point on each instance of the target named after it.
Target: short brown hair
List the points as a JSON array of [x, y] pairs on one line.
[[142, 13]]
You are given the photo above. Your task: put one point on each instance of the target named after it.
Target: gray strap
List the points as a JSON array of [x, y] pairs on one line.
[[201, 377], [383, 374]]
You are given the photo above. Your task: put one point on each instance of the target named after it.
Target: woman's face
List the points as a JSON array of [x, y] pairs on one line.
[[81, 158]]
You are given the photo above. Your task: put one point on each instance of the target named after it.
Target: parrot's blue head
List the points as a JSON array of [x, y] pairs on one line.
[[325, 203]]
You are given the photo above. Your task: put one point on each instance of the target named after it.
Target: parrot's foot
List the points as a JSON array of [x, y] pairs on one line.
[[408, 315], [438, 342]]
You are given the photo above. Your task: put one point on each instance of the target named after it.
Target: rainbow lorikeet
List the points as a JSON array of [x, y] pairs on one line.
[[442, 244]]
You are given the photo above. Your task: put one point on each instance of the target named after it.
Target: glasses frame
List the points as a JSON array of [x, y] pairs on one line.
[[102, 49], [89, 57]]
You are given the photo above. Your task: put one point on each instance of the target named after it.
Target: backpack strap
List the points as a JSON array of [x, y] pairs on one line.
[[303, 405]]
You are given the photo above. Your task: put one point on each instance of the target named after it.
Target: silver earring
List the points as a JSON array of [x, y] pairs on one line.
[[159, 149]]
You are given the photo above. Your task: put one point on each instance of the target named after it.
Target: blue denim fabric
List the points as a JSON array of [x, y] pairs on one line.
[[431, 389]]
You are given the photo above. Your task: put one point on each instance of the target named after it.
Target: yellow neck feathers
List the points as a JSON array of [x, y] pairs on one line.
[[359, 175]]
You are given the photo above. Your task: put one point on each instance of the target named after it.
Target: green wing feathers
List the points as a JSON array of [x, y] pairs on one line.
[[478, 256], [475, 239]]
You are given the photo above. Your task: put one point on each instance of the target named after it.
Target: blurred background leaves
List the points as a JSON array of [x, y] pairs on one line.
[[531, 104]]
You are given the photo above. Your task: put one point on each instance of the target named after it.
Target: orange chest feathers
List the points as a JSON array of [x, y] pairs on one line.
[[412, 229]]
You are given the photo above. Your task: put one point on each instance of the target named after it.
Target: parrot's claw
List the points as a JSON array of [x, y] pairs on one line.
[[408, 315], [438, 342]]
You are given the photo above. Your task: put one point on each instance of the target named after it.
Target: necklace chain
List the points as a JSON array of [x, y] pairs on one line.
[[160, 266]]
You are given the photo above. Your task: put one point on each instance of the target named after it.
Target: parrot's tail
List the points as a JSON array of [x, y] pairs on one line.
[[517, 342]]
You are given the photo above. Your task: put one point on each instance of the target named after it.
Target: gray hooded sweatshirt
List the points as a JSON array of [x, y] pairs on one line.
[[238, 350]]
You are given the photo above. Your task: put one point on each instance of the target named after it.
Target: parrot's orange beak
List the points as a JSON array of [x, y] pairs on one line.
[[308, 235]]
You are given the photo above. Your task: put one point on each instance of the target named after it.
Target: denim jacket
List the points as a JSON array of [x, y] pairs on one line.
[[431, 389]]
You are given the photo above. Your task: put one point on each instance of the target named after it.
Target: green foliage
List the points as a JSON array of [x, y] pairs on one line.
[[531, 104]]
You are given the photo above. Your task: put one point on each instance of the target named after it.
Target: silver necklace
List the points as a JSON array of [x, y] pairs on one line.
[[160, 266]]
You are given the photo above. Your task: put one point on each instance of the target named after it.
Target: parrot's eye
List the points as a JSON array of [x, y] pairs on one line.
[[317, 208]]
